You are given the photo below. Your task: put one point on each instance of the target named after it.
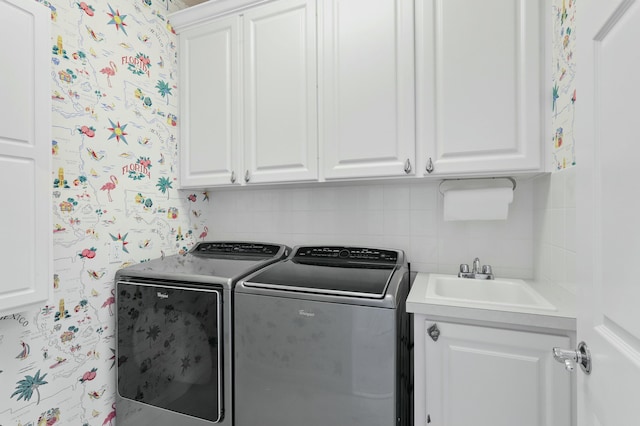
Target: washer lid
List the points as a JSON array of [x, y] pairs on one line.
[[347, 271]]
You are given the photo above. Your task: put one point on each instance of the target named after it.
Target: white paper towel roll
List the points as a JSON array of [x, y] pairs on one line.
[[477, 204]]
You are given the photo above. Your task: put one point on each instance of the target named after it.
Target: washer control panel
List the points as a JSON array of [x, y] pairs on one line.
[[347, 254]]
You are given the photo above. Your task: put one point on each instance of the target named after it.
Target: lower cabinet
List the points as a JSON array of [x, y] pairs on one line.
[[473, 375]]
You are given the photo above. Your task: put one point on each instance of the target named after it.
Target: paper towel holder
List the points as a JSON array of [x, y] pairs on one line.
[[471, 180]]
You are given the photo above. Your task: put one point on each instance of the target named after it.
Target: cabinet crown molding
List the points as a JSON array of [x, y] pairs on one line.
[[208, 10]]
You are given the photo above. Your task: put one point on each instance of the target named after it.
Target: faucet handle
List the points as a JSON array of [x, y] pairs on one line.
[[464, 268], [486, 269]]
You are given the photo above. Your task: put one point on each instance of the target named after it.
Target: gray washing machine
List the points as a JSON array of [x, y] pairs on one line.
[[174, 330], [323, 338]]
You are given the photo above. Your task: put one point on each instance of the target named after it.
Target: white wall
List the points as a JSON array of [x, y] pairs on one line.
[[406, 216], [555, 228]]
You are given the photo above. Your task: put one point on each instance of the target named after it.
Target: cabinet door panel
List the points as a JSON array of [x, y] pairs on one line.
[[367, 101], [280, 92], [495, 377], [480, 103], [210, 82], [25, 157]]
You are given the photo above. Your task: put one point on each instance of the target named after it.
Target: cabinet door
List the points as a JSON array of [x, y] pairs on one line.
[[494, 377], [25, 156], [367, 88], [480, 85], [280, 127], [209, 83]]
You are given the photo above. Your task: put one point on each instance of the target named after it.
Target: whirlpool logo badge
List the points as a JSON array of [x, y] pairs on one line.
[[162, 295], [306, 313]]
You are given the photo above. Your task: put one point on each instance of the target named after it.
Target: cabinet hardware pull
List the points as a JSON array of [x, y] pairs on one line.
[[233, 177], [407, 166], [430, 165], [434, 332], [246, 176]]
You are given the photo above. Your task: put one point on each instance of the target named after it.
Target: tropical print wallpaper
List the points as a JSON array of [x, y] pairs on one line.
[[114, 146], [564, 94]]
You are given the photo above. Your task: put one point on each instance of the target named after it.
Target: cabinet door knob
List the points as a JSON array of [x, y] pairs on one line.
[[233, 177], [407, 166], [429, 166], [434, 332], [246, 176]]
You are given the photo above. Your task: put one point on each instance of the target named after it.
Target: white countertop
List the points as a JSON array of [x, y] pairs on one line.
[[563, 318]]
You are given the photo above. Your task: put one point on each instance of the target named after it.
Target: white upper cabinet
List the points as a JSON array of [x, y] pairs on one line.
[[366, 86], [209, 103], [25, 157], [480, 77], [280, 113], [248, 97], [449, 88]]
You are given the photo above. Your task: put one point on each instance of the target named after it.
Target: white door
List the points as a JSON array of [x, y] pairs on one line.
[[280, 112], [25, 156], [608, 210]]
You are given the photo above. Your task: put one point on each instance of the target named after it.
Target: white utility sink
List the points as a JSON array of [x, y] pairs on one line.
[[508, 293]]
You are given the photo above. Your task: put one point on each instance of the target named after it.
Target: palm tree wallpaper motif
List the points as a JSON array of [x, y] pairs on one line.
[[164, 184], [26, 386], [163, 89]]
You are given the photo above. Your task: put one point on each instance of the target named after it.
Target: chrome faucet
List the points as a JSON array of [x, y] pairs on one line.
[[476, 266], [484, 273]]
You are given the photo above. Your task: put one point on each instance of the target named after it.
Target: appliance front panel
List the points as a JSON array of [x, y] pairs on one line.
[[302, 362], [169, 348]]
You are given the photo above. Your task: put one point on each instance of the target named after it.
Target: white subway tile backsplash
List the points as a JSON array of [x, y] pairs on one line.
[[424, 197], [523, 199], [397, 222], [397, 197], [424, 250], [557, 189], [454, 251], [424, 223], [405, 216], [570, 229], [555, 228], [370, 197], [570, 187], [301, 199]]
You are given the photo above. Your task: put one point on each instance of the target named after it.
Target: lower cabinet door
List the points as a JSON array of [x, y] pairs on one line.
[[487, 376]]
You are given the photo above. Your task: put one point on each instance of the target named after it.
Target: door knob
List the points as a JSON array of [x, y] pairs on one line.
[[570, 359]]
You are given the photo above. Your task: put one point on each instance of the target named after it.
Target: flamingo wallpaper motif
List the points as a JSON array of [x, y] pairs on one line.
[[114, 147]]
